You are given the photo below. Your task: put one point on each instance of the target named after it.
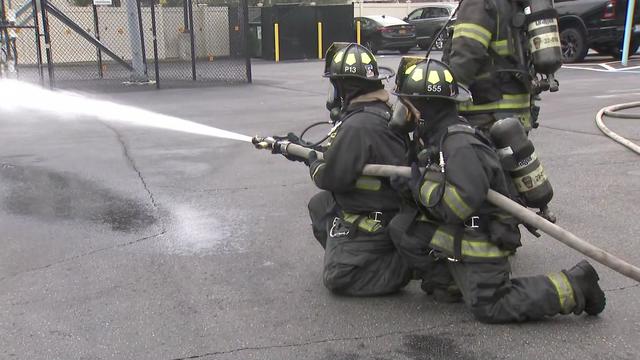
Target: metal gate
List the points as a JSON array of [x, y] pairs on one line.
[[178, 43]]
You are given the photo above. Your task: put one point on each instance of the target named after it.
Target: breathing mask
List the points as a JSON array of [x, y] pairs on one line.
[[404, 117]]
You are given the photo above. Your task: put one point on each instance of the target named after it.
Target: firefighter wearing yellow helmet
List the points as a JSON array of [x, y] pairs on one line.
[[350, 216], [454, 233]]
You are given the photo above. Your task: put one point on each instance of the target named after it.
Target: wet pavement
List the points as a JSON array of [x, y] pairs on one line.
[[124, 242]]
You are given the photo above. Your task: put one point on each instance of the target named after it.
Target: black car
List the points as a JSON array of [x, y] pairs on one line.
[[428, 21], [595, 24], [381, 32]]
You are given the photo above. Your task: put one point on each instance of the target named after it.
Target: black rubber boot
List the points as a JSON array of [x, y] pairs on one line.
[[589, 296]]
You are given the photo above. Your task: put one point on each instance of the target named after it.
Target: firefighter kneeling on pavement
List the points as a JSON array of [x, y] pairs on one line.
[[350, 217], [450, 234]]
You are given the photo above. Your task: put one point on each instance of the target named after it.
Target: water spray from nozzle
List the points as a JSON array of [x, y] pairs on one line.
[[21, 96]]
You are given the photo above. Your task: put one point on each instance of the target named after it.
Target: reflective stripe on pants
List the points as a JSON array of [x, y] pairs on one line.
[[564, 290]]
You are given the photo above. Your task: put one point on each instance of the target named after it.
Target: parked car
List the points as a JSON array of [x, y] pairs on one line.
[[381, 32], [595, 24], [428, 21]]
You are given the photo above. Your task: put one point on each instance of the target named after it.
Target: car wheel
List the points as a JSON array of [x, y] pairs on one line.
[[574, 45], [439, 42], [369, 44], [404, 50]]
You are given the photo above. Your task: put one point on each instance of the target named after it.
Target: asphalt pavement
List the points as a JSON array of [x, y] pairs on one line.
[[123, 242]]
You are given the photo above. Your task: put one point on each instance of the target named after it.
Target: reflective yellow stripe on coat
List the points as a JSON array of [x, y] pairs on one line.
[[451, 198], [470, 247], [365, 224], [369, 183], [508, 102], [472, 31], [501, 47]]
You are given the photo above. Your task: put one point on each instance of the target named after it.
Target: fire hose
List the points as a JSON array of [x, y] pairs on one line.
[[523, 214], [611, 111]]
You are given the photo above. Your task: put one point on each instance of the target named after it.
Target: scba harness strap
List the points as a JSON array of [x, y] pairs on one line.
[[459, 249], [373, 222]]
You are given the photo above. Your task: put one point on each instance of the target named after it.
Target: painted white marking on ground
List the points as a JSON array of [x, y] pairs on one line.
[[616, 95], [622, 90], [629, 68], [571, 67], [604, 65]]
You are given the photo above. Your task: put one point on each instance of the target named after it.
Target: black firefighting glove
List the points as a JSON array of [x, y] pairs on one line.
[[401, 185], [279, 147]]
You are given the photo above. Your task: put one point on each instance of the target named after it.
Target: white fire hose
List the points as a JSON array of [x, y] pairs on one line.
[[611, 111]]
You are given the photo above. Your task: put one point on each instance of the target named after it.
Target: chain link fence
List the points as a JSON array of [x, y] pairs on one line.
[[175, 43], [213, 48], [20, 28]]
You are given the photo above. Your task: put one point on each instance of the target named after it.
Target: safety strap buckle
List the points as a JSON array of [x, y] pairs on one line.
[[472, 222], [335, 230], [376, 216], [438, 256]]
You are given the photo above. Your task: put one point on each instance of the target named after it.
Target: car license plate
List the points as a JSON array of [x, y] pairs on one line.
[[636, 28], [403, 31]]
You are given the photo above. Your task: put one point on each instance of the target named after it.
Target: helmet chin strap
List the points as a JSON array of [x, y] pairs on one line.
[[335, 101]]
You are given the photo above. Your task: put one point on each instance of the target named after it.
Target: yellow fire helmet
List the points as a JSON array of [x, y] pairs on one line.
[[428, 78], [351, 60]]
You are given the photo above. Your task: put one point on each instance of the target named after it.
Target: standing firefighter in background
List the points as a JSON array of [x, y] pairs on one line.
[[350, 217], [454, 226], [506, 53]]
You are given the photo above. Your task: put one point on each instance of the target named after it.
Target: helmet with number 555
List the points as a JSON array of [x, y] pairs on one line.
[[428, 78]]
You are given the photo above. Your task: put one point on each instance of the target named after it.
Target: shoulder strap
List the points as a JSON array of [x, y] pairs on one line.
[[469, 130], [377, 110]]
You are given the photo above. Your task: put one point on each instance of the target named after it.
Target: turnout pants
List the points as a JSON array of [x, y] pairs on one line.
[[493, 297], [487, 288], [356, 262]]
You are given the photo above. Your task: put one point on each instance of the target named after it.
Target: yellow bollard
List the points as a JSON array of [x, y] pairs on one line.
[[358, 31], [319, 40], [276, 38]]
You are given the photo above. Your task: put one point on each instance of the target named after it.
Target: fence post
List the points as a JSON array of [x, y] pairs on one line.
[[47, 42], [155, 43], [191, 34], [247, 52], [96, 30], [143, 45], [139, 73], [36, 30]]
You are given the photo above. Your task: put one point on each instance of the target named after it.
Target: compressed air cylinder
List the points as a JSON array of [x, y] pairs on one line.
[[519, 158], [544, 39]]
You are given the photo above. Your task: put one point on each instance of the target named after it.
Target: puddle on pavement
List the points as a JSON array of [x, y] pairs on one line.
[[58, 196], [433, 347], [195, 232], [50, 196]]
